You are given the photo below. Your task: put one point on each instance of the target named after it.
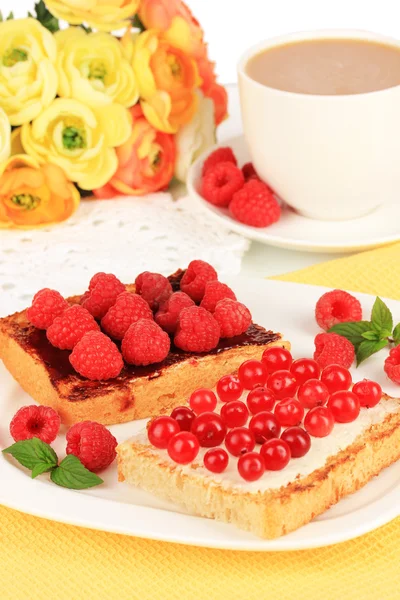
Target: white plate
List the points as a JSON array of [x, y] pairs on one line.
[[124, 509], [294, 231]]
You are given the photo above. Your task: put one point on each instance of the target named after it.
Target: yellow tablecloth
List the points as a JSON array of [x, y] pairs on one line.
[[44, 560]]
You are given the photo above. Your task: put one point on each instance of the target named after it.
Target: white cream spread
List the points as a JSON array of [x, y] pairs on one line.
[[342, 436]]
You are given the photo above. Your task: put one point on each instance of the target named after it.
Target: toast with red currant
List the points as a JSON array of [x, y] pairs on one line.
[[61, 379]]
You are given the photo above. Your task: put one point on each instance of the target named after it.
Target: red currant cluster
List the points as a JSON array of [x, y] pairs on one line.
[[281, 394]]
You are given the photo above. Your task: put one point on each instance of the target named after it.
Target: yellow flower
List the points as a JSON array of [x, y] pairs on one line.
[[32, 195], [28, 77], [5, 136], [92, 68], [167, 79], [79, 139], [105, 15]]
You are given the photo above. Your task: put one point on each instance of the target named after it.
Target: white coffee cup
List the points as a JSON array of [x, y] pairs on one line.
[[329, 157]]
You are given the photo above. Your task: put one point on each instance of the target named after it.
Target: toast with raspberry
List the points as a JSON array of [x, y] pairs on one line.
[[46, 374], [281, 501]]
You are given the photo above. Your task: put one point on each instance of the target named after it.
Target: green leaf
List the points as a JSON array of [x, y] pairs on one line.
[[9, 18], [44, 16], [353, 331], [73, 475], [368, 348], [34, 455], [371, 335], [396, 334], [137, 23], [381, 318]]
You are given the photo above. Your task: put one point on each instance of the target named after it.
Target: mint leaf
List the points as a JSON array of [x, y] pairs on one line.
[[381, 318], [396, 334], [352, 330], [368, 348], [73, 475], [34, 455], [371, 335]]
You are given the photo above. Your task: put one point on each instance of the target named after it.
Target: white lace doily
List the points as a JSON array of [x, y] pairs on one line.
[[123, 236]]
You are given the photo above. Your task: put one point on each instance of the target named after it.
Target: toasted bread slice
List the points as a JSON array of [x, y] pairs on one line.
[[46, 374], [279, 502]]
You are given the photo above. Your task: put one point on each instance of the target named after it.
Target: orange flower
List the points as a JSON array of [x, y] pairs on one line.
[[181, 29], [32, 195], [146, 161]]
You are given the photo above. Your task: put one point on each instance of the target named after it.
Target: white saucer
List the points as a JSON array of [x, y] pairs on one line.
[[296, 232]]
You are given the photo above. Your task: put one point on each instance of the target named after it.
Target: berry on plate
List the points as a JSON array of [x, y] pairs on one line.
[[216, 460], [331, 348], [32, 421], [184, 416], [220, 183], [197, 331], [289, 412], [234, 318], [96, 357], [264, 426], [276, 454], [183, 447], [336, 378], [167, 315], [319, 421], [145, 343], [260, 399], [249, 171], [229, 388], [345, 406], [196, 277], [128, 309], [209, 429], [70, 327], [252, 373], [202, 400], [154, 288], [161, 429], [251, 466], [313, 393], [368, 392], [235, 413], [46, 306], [214, 292], [255, 205], [104, 289], [298, 441], [392, 365], [239, 441], [224, 154], [336, 307], [93, 444], [276, 359], [304, 369], [282, 383]]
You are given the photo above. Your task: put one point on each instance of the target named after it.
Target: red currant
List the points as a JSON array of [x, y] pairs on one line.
[[234, 414], [161, 430], [276, 359], [260, 399], [336, 378], [304, 369], [251, 466], [183, 447], [184, 417], [345, 406], [319, 421], [276, 454], [252, 373], [209, 429], [239, 441], [229, 388], [289, 412], [216, 460], [368, 392], [298, 441], [282, 383], [264, 426], [313, 393], [203, 400]]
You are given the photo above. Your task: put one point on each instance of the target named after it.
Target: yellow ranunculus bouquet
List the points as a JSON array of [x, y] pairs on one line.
[[87, 112]]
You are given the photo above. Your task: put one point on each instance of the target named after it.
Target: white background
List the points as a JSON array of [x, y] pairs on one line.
[[232, 25]]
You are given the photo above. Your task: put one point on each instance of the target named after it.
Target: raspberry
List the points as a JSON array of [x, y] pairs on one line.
[[46, 306], [196, 277], [197, 330], [221, 182], [168, 315], [255, 205], [333, 349], [145, 343], [234, 318], [154, 288], [70, 327], [103, 291], [128, 309], [335, 307], [32, 421], [392, 364], [214, 292], [96, 357], [219, 155], [249, 171], [93, 444]]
